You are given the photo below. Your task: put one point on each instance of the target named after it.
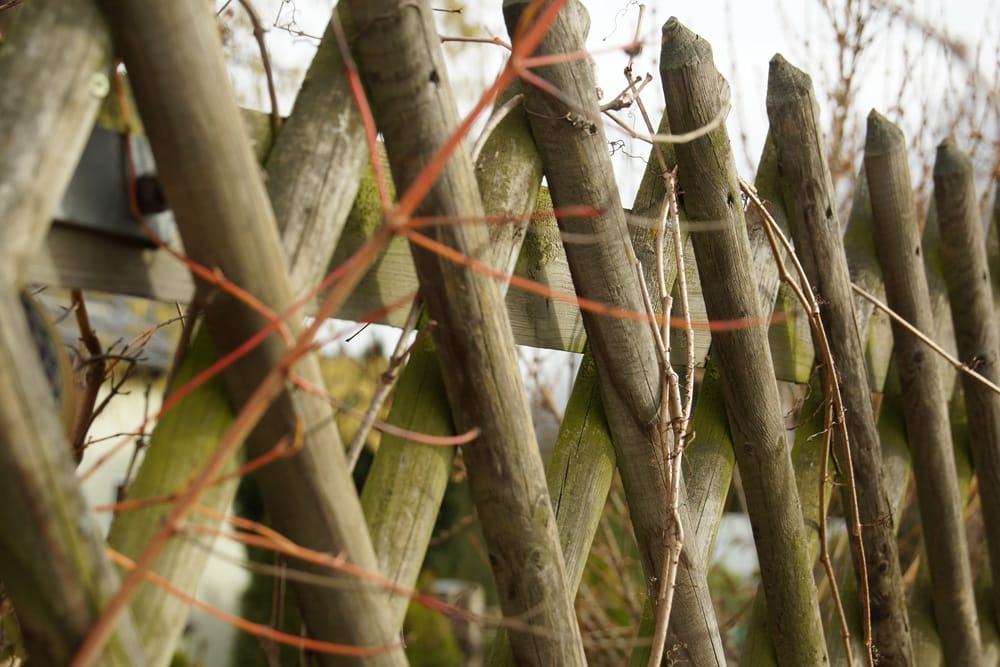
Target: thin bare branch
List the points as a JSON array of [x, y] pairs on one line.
[[927, 340]]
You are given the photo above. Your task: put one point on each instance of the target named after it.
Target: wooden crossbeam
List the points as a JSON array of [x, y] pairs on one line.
[[84, 251]]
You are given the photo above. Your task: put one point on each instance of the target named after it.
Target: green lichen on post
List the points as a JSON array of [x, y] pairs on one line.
[[541, 245], [184, 439]]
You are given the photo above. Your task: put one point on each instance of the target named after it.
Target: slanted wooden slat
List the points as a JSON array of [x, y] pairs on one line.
[[213, 182], [315, 184], [810, 203], [966, 273], [407, 480], [578, 170], [52, 557], [399, 54], [924, 401], [694, 91]]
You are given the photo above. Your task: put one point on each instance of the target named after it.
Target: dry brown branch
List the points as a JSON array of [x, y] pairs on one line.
[[91, 374], [476, 40], [799, 284], [265, 60], [387, 380], [926, 340], [674, 414], [684, 137]]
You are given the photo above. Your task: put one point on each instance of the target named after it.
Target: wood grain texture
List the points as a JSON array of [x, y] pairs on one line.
[[193, 427], [315, 166], [966, 272], [213, 182], [710, 459], [924, 402], [578, 170], [52, 556], [694, 92], [42, 140], [810, 203], [312, 183], [400, 56], [407, 480], [73, 257]]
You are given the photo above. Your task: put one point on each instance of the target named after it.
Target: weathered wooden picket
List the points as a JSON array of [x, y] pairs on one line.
[[901, 410]]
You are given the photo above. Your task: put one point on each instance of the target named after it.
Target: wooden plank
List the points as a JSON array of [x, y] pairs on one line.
[[213, 181], [399, 54], [810, 203], [966, 272], [897, 243], [73, 256], [694, 91], [53, 73], [407, 480], [306, 188], [78, 256], [603, 268]]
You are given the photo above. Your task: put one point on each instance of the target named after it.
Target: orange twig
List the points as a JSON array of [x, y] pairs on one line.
[[583, 303], [257, 629]]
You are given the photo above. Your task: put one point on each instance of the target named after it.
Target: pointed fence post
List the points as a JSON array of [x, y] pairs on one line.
[[925, 404], [694, 92], [812, 211]]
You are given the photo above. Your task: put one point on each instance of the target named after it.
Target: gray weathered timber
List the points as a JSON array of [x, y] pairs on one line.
[[312, 190], [407, 480], [579, 475], [709, 459], [925, 628], [895, 446], [578, 170], [925, 406], [213, 182], [57, 51], [873, 328], [315, 166], [694, 92], [810, 203], [400, 56], [52, 556], [862, 261], [963, 255]]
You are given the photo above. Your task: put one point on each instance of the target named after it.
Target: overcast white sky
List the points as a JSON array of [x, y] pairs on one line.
[[744, 36]]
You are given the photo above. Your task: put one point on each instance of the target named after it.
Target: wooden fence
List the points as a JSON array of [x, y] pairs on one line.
[[900, 407]]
